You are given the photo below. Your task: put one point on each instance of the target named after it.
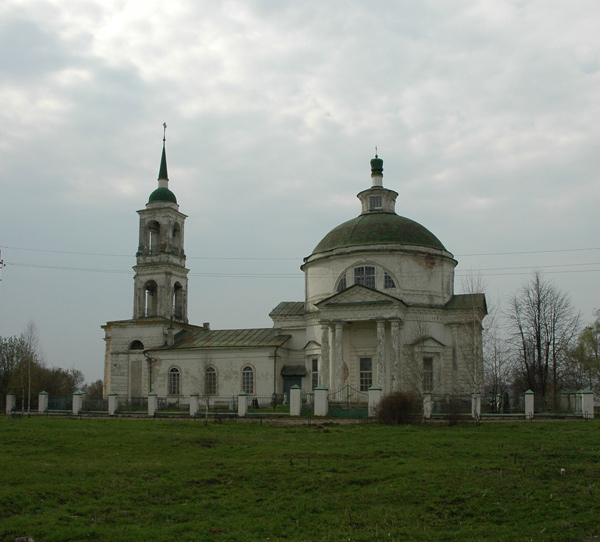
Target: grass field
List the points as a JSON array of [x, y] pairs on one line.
[[149, 480]]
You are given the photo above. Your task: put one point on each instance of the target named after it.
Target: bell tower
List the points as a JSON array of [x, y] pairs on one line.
[[160, 281]]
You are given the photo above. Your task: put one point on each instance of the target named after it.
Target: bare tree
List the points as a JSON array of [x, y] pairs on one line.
[[582, 367], [542, 325]]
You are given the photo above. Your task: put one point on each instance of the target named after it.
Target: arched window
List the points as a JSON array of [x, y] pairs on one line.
[[341, 285], [388, 281], [210, 381], [248, 379], [178, 300], [151, 298], [176, 238], [174, 385], [365, 275], [136, 345], [154, 237]]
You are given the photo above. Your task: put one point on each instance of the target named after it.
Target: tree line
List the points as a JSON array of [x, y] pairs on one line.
[[536, 341], [25, 373]]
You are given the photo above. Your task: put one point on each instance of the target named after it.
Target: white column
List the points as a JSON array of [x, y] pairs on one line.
[[113, 403], [529, 406], [587, 403], [43, 402], [11, 402], [321, 401], [427, 406], [242, 404], [325, 356], [295, 400], [381, 354], [339, 357], [77, 402], [194, 404], [375, 393], [395, 370], [152, 404]]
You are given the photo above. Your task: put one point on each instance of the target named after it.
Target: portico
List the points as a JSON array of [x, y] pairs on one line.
[[360, 336]]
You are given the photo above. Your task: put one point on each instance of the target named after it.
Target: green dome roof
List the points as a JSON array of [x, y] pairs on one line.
[[162, 194], [378, 229]]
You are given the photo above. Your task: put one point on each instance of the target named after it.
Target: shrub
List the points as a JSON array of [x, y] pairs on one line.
[[399, 408], [454, 410]]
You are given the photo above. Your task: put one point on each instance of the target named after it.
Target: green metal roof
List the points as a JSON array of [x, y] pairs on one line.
[[467, 301], [230, 338], [288, 308], [162, 194], [378, 229]]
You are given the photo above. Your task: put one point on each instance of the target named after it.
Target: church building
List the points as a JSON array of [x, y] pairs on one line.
[[379, 309]]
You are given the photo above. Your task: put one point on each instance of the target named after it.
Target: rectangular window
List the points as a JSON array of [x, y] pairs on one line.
[[366, 373], [315, 373], [427, 374], [365, 275], [210, 382], [174, 385], [248, 380], [375, 203]]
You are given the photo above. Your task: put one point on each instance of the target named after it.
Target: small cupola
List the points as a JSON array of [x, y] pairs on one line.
[[377, 199]]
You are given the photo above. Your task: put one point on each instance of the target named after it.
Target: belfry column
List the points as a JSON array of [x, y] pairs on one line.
[[339, 356], [396, 341], [381, 354], [325, 356]]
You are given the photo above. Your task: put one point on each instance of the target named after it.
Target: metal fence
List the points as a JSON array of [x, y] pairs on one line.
[[94, 405], [133, 404], [451, 405], [173, 404], [59, 404]]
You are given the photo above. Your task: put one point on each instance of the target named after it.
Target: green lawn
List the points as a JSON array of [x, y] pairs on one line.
[[153, 480]]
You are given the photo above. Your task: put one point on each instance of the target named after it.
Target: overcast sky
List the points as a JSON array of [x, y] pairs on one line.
[[486, 114]]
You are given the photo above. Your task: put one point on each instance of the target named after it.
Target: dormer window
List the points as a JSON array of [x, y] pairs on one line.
[[375, 203]]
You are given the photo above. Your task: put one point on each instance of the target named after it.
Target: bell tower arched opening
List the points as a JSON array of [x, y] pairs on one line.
[[151, 298]]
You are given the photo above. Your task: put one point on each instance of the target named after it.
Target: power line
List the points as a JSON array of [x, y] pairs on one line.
[[244, 258], [460, 273]]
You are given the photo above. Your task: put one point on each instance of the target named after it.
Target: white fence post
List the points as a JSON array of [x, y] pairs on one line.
[[113, 403], [321, 401], [77, 402], [295, 400], [375, 393], [152, 403], [529, 404], [11, 402], [194, 404], [427, 406], [587, 403], [43, 401], [242, 404]]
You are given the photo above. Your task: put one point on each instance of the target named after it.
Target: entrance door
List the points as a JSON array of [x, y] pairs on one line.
[[290, 381]]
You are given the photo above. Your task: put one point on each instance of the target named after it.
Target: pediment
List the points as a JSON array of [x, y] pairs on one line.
[[428, 342], [358, 295]]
